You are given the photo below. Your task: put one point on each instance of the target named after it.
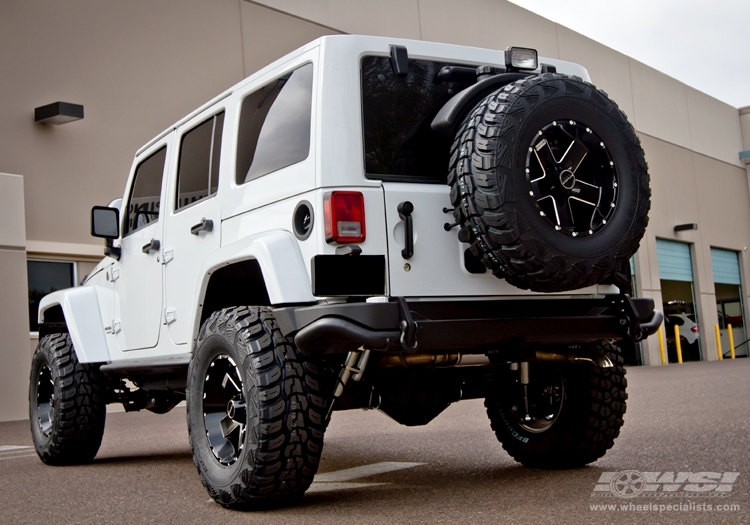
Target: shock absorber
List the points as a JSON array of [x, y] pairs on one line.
[[524, 366]]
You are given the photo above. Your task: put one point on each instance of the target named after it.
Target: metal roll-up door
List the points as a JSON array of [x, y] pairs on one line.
[[729, 299], [726, 266], [674, 261]]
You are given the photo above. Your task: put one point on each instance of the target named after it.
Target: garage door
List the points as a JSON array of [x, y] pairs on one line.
[[726, 266], [674, 261]]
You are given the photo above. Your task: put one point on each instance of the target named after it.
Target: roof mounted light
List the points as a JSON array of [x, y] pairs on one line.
[[521, 58]]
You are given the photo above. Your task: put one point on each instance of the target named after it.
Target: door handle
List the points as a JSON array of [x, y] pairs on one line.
[[152, 246], [206, 225], [405, 210]]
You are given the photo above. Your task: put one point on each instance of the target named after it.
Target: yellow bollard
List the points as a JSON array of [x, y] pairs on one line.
[[660, 335], [718, 342], [731, 340], [677, 343]]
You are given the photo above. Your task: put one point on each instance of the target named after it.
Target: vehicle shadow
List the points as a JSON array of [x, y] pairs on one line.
[[151, 458]]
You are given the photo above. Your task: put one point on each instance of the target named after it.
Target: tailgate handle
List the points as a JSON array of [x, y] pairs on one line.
[[405, 210]]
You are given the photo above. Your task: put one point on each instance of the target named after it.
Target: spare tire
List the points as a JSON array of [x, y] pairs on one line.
[[549, 184]]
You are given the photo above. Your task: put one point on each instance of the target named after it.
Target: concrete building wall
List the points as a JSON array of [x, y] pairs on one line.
[[137, 66], [14, 321]]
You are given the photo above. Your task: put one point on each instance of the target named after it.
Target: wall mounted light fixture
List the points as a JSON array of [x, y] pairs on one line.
[[58, 113], [685, 227]]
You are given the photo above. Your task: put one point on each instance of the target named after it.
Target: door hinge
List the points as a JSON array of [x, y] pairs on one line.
[[115, 274], [170, 315], [114, 328], [168, 255]]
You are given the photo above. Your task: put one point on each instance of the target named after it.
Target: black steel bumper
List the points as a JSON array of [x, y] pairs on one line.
[[469, 326]]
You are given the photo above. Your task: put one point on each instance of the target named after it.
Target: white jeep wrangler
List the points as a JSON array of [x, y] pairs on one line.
[[365, 223]]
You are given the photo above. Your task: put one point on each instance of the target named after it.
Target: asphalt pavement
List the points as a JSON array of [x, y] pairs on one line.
[[691, 419]]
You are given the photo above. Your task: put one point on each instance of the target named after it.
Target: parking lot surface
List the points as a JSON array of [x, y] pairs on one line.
[[691, 419]]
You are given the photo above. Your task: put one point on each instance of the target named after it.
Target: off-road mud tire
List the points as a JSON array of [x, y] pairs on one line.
[[588, 423], [491, 193], [286, 410], [78, 403]]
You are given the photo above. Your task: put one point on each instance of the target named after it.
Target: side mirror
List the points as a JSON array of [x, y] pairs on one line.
[[105, 222]]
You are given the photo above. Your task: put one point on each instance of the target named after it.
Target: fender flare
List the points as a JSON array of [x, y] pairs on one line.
[[281, 263], [80, 307]]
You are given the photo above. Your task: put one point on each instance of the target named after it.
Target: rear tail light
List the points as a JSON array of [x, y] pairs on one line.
[[344, 216], [694, 329]]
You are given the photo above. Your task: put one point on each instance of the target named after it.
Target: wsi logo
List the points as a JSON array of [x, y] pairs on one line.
[[632, 483]]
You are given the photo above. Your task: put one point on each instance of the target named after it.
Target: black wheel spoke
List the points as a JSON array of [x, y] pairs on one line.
[[228, 425], [45, 418], [224, 409], [585, 192], [572, 178], [230, 383], [545, 157], [566, 220], [573, 156], [45, 397]]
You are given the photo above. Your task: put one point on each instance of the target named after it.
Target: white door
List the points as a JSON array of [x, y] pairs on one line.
[[138, 273], [192, 227]]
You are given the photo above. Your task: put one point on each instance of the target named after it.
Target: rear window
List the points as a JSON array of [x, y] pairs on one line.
[[399, 144]]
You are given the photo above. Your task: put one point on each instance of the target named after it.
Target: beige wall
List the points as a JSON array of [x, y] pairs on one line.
[[135, 65], [399, 18], [269, 34], [609, 69], [14, 318]]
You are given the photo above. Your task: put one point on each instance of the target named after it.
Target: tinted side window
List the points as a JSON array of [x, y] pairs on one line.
[[145, 196], [275, 125], [200, 152]]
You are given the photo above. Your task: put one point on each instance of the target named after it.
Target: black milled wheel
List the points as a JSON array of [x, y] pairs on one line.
[[575, 412], [256, 411], [67, 403], [550, 184]]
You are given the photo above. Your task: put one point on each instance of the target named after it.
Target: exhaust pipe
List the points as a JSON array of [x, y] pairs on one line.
[[458, 359]]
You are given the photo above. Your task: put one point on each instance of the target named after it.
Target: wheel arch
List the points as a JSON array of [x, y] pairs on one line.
[[76, 311], [262, 270]]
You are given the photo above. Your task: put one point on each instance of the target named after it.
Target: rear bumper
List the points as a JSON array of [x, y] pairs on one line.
[[468, 326]]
